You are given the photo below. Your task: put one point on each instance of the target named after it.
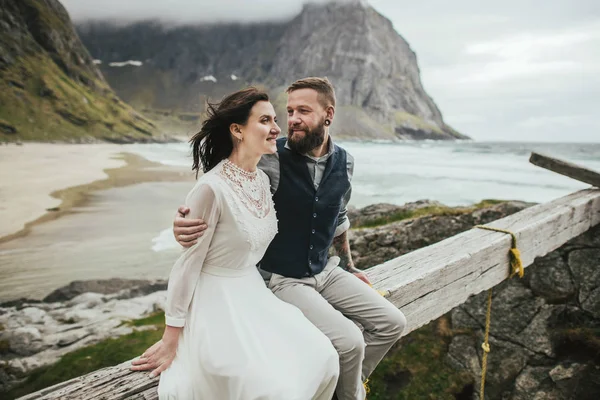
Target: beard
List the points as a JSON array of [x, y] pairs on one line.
[[312, 139]]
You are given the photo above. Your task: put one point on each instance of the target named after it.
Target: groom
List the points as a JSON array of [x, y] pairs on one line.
[[310, 181]]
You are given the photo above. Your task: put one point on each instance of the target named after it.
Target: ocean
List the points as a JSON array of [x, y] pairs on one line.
[[453, 173], [126, 231]]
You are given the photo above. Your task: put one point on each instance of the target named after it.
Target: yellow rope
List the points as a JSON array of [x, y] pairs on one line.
[[515, 255], [485, 345], [516, 268]]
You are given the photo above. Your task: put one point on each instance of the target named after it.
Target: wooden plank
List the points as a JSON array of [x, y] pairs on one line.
[[425, 284], [565, 168], [431, 281]]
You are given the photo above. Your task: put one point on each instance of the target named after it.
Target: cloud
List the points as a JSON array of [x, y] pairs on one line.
[[509, 70], [184, 11], [498, 74]]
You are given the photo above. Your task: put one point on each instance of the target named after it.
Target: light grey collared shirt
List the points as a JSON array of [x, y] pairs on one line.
[[269, 163]]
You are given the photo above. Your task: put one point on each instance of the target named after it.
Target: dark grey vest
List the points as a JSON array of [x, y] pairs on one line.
[[307, 217]]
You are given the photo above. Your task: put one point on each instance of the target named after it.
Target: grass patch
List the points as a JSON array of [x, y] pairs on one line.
[[407, 214], [488, 203], [416, 368], [50, 106], [413, 122], [91, 358], [157, 319], [426, 211], [4, 346]]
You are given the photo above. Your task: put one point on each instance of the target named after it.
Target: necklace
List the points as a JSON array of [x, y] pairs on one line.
[[248, 186]]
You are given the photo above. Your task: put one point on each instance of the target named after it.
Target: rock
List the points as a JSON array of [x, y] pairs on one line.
[[72, 336], [142, 290], [505, 361], [19, 303], [34, 315], [372, 246], [24, 341], [87, 300], [7, 128], [514, 307], [585, 266], [462, 354], [381, 211], [528, 382], [568, 371], [551, 279], [589, 239], [104, 286], [84, 315]]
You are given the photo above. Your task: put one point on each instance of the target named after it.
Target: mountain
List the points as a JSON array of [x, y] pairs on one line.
[[171, 70], [50, 88]]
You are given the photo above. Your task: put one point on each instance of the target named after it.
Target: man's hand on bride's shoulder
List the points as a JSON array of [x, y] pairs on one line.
[[187, 231], [157, 358]]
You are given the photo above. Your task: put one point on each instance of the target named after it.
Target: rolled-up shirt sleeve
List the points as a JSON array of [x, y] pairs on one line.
[[343, 220], [203, 203]]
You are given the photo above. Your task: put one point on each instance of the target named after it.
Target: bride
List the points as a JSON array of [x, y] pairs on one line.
[[227, 336]]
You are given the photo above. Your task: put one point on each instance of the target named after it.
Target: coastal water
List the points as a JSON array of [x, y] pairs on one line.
[[126, 231], [454, 173]]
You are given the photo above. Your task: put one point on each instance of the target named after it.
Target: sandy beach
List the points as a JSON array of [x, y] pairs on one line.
[[30, 173], [73, 212]]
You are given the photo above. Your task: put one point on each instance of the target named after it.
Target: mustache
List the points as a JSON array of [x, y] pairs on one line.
[[300, 127]]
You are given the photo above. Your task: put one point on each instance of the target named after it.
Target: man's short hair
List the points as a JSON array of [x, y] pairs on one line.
[[321, 85]]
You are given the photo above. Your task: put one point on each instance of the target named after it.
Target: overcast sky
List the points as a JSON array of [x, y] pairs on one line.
[[526, 70]]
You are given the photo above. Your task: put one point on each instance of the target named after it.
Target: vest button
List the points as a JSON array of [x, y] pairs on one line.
[[317, 198], [313, 231], [311, 246], [314, 215]]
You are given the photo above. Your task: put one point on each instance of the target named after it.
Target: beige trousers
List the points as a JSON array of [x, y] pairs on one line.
[[335, 301]]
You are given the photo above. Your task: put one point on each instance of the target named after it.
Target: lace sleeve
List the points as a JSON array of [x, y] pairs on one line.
[[203, 204]]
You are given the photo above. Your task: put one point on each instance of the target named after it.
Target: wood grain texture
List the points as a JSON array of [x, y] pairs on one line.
[[565, 168]]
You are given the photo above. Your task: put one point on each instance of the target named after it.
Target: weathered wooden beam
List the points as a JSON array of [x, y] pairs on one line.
[[112, 383], [425, 284], [565, 168]]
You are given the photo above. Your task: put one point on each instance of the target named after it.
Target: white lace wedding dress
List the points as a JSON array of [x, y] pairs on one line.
[[239, 341]]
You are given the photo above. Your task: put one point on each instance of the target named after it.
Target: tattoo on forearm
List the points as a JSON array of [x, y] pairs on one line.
[[342, 249]]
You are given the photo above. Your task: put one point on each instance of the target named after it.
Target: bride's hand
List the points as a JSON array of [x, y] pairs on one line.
[[158, 357]]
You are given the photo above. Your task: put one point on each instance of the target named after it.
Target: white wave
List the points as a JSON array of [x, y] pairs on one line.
[[125, 63], [97, 62], [165, 241], [174, 154], [234, 78], [208, 78]]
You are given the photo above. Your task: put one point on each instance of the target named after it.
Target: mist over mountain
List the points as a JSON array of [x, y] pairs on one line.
[[165, 69]]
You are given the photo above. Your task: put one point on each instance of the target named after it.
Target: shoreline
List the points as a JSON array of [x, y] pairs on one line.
[[110, 167]]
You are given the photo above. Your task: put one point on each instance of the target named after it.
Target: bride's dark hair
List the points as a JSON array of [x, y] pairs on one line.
[[214, 143]]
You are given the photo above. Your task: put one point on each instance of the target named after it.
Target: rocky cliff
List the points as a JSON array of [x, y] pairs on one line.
[[163, 68], [50, 88]]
